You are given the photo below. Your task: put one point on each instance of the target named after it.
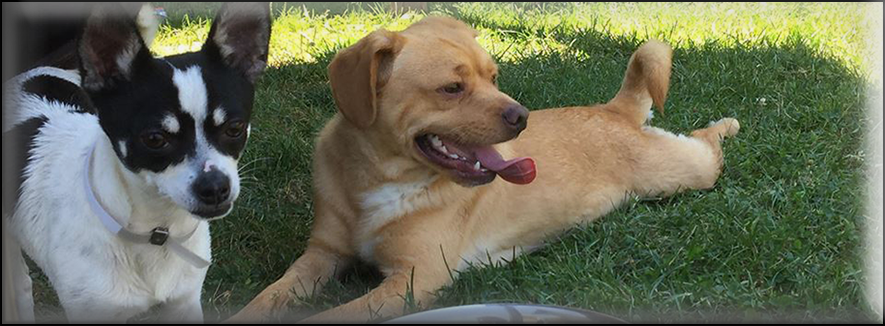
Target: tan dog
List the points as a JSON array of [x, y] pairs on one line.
[[396, 178]]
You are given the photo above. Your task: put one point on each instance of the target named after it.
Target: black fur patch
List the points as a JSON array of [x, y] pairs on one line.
[[18, 141], [227, 89], [131, 108], [60, 90]]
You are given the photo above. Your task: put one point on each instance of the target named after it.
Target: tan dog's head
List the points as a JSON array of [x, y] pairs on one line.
[[429, 93]]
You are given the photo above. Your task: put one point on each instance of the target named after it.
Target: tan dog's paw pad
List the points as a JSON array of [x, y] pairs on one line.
[[729, 126]]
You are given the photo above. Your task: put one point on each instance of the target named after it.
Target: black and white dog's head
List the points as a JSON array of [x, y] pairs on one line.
[[178, 123]]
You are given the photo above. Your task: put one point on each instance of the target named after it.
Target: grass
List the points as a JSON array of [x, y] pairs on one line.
[[777, 239]]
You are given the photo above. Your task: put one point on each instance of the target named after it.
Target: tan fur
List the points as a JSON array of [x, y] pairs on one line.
[[377, 199]]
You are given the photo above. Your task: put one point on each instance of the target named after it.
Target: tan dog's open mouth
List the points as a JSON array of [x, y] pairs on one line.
[[475, 164]]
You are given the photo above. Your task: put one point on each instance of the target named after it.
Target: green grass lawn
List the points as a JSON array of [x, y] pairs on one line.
[[779, 237]]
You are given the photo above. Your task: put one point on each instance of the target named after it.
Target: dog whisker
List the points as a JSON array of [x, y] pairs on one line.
[[247, 164]]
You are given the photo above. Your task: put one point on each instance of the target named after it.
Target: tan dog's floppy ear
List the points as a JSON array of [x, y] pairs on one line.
[[359, 71]]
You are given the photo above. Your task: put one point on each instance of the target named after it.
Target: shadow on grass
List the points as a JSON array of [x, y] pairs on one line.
[[777, 239]]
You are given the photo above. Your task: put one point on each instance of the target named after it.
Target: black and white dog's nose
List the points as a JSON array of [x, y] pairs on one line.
[[212, 188]]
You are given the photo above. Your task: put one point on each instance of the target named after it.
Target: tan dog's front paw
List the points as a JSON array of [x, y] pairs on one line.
[[268, 305], [345, 315], [327, 317]]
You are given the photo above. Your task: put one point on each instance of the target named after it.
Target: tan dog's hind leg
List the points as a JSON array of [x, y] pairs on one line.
[[670, 163], [716, 132], [666, 163]]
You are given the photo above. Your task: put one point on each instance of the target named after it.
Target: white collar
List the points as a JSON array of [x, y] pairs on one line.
[[159, 236]]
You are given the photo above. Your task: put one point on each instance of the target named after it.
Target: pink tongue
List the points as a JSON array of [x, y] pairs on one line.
[[519, 170]]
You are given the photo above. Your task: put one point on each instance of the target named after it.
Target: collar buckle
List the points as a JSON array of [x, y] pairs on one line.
[[159, 236]]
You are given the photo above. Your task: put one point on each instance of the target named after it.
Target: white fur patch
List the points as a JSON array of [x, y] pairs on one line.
[[392, 200], [221, 40], [387, 203], [121, 146], [218, 116], [31, 105], [71, 76], [124, 59], [191, 92], [170, 124], [176, 180], [702, 147]]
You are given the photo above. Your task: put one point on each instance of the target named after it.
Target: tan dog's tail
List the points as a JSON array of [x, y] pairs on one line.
[[646, 81]]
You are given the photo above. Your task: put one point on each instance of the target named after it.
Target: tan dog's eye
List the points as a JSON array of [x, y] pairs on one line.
[[495, 79], [452, 89]]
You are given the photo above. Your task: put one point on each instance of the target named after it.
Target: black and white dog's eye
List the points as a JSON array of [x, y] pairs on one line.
[[155, 140], [235, 129]]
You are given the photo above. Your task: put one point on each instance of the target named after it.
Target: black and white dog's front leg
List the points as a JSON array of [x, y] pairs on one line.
[[98, 302], [24, 295], [187, 309]]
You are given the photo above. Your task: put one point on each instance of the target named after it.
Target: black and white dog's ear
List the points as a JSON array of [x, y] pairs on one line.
[[240, 36], [109, 47]]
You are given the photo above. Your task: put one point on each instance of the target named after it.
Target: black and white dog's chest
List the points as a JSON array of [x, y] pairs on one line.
[[120, 164]]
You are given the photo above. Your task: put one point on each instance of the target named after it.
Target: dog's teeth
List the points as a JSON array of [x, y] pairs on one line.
[[443, 149], [453, 155], [484, 170], [476, 166], [435, 141]]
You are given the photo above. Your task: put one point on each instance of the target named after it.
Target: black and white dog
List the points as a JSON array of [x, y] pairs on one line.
[[126, 159]]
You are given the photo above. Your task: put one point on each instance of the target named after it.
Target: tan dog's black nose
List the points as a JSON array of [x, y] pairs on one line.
[[515, 117]]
